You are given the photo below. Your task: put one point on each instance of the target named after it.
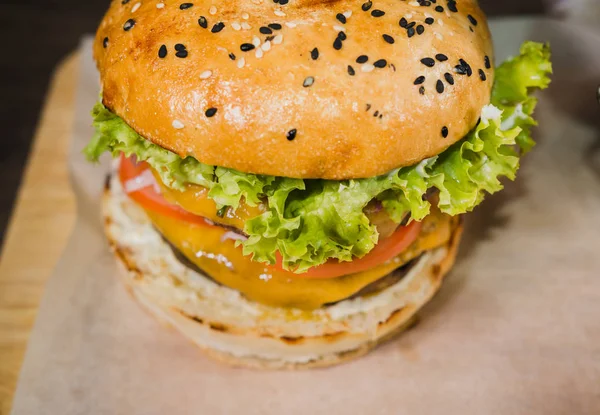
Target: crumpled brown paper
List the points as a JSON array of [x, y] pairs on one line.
[[514, 330]]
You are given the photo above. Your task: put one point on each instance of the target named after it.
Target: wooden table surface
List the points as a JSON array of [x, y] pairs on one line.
[[38, 231]]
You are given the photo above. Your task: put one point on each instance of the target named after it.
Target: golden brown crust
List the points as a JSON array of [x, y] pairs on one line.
[[346, 126]]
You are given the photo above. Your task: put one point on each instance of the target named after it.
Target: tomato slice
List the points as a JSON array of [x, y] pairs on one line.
[[149, 197], [385, 250]]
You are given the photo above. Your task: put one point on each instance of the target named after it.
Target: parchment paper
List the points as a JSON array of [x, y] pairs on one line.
[[514, 330]]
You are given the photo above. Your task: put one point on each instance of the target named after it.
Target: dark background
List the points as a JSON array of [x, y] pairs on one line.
[[35, 35]]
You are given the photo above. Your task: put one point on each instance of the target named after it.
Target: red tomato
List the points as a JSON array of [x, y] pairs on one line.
[[385, 250], [149, 198]]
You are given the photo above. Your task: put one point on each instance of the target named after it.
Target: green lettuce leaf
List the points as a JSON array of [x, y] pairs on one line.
[[310, 221]]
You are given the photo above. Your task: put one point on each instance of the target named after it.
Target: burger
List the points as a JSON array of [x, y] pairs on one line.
[[290, 175]]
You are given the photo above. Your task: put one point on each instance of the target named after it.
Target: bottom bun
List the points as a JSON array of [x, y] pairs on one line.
[[241, 332]]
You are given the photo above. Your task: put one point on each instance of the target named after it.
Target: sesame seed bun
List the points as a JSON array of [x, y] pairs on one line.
[[242, 332], [306, 89]]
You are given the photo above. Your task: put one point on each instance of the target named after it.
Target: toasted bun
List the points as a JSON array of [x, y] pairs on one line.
[[280, 109], [245, 333]]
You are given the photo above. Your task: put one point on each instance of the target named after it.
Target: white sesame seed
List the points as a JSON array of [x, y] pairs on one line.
[[236, 26], [440, 21], [439, 36], [205, 74], [212, 10], [279, 13], [178, 125], [160, 5], [428, 15], [290, 24], [278, 39], [258, 53], [348, 14], [308, 82], [241, 62], [414, 3], [339, 28], [135, 7], [409, 16], [266, 46], [256, 41], [367, 67], [245, 16], [246, 26]]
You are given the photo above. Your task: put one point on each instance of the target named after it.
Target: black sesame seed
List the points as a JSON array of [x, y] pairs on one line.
[[452, 6], [467, 67], [265, 30], [439, 9], [283, 2], [342, 36], [274, 26], [441, 57], [472, 20], [377, 13], [232, 56], [105, 42], [179, 47], [419, 80], [269, 38], [308, 81], [444, 131], [210, 112], [245, 47], [362, 59], [449, 78], [461, 70], [351, 71], [291, 134], [376, 113], [185, 6], [203, 22], [403, 22], [428, 62], [420, 29], [410, 32], [422, 90], [337, 43], [366, 6], [482, 75], [125, 1], [341, 18], [217, 27], [182, 53], [314, 54], [388, 39], [429, 20], [471, 28], [368, 107], [439, 86], [411, 24], [128, 25], [381, 63], [162, 52], [486, 60]]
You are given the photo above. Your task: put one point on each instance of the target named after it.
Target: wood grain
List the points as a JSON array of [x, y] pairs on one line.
[[38, 231]]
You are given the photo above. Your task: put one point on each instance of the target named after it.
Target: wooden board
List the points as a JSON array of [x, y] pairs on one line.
[[42, 221]]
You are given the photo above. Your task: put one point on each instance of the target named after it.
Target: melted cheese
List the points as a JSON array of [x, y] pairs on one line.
[[223, 262], [194, 199]]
